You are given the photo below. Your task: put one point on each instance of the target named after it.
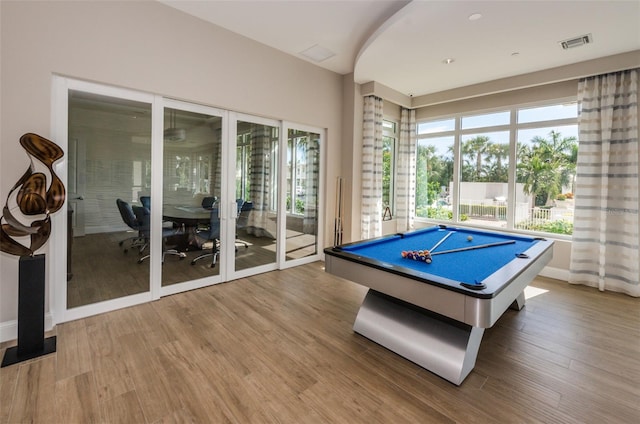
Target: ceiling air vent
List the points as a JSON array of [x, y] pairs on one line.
[[576, 41]]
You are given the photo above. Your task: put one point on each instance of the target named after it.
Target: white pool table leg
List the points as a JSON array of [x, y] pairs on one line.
[[441, 345], [519, 302]]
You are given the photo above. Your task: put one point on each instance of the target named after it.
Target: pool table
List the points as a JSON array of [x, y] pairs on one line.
[[434, 314]]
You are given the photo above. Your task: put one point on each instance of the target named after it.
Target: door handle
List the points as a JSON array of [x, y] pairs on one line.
[[233, 209], [78, 198]]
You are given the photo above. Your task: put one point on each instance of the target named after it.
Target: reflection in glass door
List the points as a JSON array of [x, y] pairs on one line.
[[110, 167], [302, 194], [256, 192], [192, 171], [195, 223]]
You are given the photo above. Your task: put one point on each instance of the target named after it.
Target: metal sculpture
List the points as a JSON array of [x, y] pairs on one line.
[[32, 198]]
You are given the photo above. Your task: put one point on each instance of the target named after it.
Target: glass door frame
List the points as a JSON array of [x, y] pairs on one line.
[[57, 246], [282, 231], [157, 200], [57, 268], [231, 207]]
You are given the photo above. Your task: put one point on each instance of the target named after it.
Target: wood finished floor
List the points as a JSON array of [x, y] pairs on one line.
[[279, 348]]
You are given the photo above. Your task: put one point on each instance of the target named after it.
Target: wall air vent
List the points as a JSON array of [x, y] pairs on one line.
[[576, 41]]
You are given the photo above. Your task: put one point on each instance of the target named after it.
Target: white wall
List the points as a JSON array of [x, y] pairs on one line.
[[147, 46], [350, 162]]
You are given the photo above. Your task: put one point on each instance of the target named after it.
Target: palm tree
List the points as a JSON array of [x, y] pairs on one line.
[[546, 165], [425, 173], [496, 153], [536, 174], [433, 171], [475, 148]]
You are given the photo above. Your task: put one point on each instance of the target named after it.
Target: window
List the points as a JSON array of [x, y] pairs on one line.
[[257, 162], [296, 172], [485, 120], [389, 138], [546, 155], [512, 169], [434, 177], [484, 182]]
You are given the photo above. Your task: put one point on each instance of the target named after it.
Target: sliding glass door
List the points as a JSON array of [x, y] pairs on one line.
[[302, 194], [109, 167], [278, 195], [192, 163], [255, 194], [166, 196]]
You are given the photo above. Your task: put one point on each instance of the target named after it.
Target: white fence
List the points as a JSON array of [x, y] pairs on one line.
[[525, 216]]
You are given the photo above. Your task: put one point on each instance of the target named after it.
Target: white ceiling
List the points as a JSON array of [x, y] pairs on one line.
[[402, 44]]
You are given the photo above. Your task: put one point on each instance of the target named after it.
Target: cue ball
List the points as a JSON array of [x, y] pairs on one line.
[[469, 238]]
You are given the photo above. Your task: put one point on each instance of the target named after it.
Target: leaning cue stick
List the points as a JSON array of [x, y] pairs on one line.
[[337, 215], [340, 210], [480, 246], [337, 225], [440, 242]]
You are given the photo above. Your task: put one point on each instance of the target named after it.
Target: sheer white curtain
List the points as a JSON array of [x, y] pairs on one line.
[[215, 173], [260, 223], [605, 252], [405, 183], [312, 161], [371, 218]]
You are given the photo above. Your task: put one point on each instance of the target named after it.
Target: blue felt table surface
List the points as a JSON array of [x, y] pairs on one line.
[[467, 266]]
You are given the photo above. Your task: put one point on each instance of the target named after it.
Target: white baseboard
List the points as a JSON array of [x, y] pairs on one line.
[[9, 329], [555, 273]]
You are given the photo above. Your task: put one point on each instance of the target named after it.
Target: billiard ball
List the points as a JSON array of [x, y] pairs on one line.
[[469, 238]]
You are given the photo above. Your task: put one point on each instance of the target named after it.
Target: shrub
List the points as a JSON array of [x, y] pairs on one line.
[[438, 213], [560, 226]]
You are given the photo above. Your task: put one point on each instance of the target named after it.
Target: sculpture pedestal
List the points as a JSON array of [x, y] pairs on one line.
[[31, 340]]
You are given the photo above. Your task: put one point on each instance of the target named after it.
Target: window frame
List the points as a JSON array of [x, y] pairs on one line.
[[394, 135], [513, 127]]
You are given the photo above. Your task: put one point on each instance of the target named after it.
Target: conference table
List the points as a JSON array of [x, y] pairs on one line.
[[432, 303], [189, 218], [186, 215]]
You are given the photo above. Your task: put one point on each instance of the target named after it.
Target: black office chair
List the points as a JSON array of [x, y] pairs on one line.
[[166, 232], [211, 234], [209, 201], [146, 201], [243, 220], [143, 215], [129, 217]]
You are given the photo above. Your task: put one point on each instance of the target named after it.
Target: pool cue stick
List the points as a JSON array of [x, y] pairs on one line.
[[480, 246], [338, 211], [337, 225], [341, 209], [440, 242]]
